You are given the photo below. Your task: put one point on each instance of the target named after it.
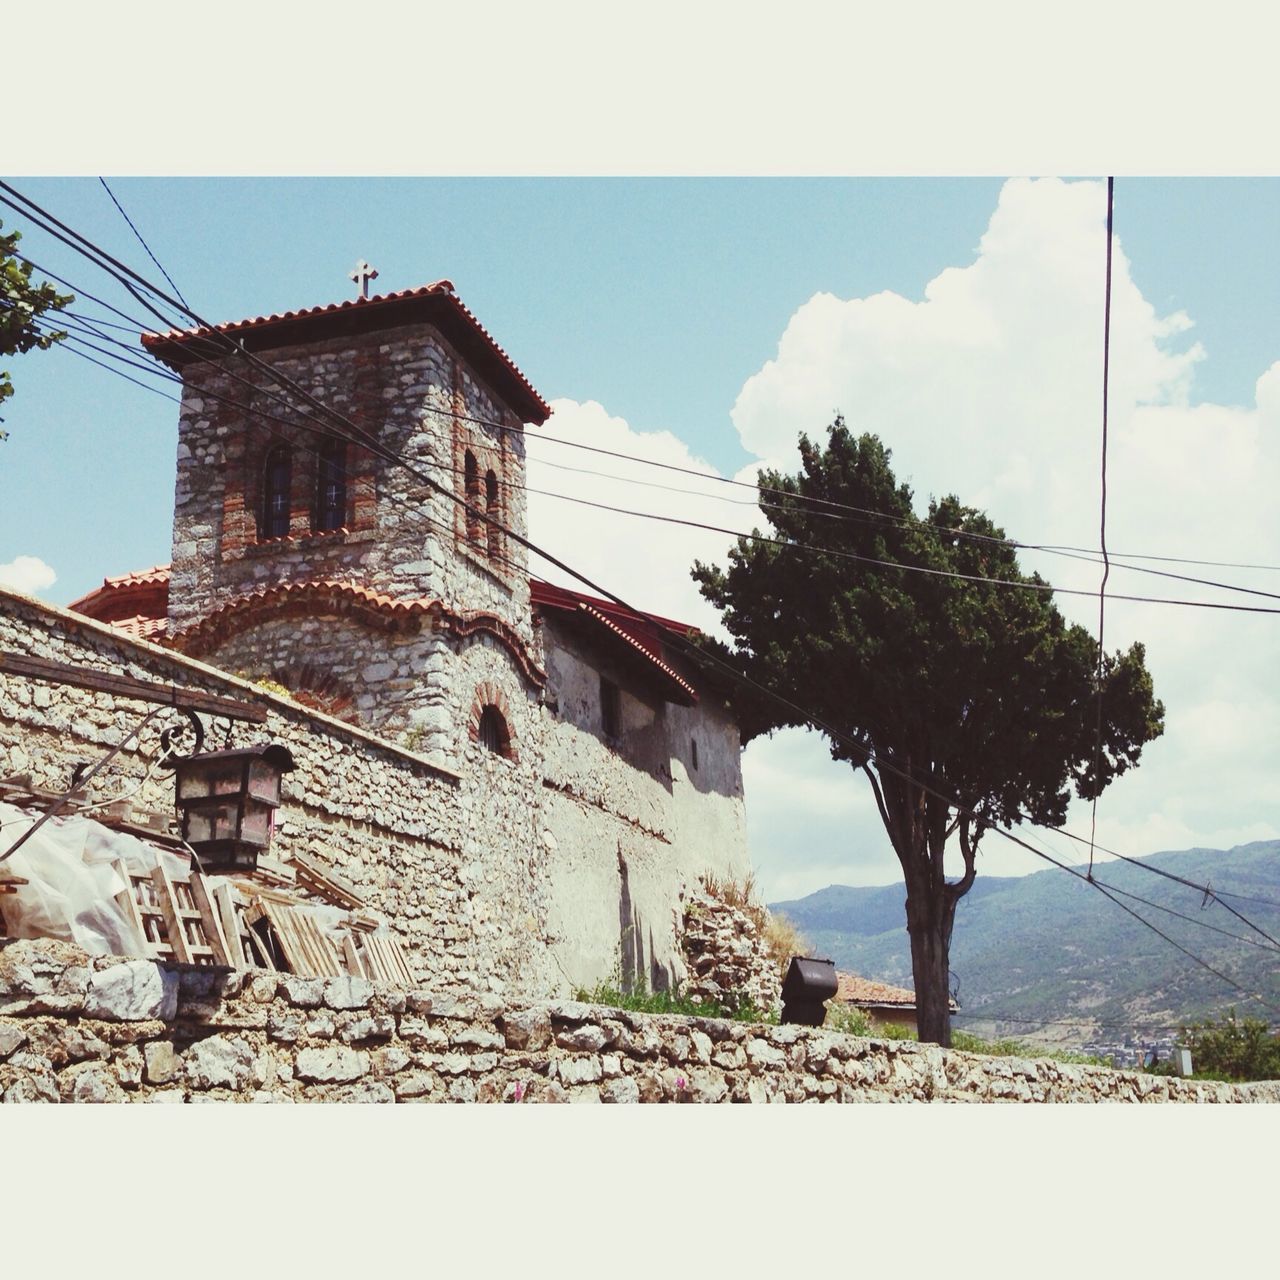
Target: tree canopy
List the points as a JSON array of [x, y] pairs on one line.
[[968, 700], [21, 306]]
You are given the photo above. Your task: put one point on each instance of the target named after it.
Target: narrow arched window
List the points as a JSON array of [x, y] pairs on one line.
[[493, 509], [331, 487], [277, 474], [471, 477], [494, 734]]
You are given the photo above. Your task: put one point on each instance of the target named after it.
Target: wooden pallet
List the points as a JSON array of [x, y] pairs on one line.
[[377, 955], [305, 949], [173, 915]]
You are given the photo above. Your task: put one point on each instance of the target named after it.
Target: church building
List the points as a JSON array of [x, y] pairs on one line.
[[371, 567]]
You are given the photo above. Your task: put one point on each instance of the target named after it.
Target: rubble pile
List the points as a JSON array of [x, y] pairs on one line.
[[728, 961]]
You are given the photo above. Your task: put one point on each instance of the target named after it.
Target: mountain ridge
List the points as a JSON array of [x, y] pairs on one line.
[[1038, 954]]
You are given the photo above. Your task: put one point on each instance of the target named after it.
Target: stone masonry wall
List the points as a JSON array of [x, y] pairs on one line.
[[726, 955], [407, 387], [75, 1028], [452, 859]]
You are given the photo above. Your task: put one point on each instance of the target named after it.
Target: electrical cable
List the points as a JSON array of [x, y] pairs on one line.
[[1102, 533], [701, 655]]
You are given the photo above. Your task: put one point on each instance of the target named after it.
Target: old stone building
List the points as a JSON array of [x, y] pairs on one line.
[[599, 768]]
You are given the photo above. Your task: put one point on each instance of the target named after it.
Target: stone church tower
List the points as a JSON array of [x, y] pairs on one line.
[[592, 770], [306, 559]]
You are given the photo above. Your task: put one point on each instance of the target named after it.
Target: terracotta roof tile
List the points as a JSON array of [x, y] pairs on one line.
[[175, 346], [862, 991]]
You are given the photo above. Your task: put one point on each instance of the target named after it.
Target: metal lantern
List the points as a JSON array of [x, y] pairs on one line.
[[227, 799], [807, 986]]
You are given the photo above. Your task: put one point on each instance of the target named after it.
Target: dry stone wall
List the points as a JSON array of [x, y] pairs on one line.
[[75, 1028], [728, 961]]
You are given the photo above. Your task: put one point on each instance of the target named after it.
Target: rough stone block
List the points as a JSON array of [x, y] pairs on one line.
[[588, 1038], [527, 1029], [579, 1070], [355, 1028], [42, 976], [136, 991], [623, 1090], [129, 1066], [334, 1064], [219, 1062], [12, 1038], [162, 1064], [760, 1053], [90, 1082], [348, 993], [303, 993]]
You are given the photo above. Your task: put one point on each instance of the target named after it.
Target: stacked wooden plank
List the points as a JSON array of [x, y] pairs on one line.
[[173, 914]]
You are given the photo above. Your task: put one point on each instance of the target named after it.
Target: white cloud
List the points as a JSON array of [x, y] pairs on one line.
[[990, 387], [27, 574], [645, 562]]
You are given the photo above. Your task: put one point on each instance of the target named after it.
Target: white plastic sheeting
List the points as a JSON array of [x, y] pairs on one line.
[[71, 884]]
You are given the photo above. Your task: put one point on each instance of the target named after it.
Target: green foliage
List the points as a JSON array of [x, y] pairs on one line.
[[21, 306], [972, 690], [1231, 1048], [849, 1020], [641, 1000]]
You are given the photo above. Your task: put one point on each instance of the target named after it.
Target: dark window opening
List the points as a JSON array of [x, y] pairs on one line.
[[494, 734], [331, 487], [693, 752], [610, 708], [493, 509], [471, 478], [276, 477]]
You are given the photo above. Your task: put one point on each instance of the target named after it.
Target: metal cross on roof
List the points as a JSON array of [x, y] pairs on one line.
[[362, 275]]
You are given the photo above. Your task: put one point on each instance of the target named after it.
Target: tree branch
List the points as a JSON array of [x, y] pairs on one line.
[[969, 849]]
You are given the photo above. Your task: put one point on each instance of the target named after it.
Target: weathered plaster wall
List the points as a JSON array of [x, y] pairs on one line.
[[80, 1029], [631, 826]]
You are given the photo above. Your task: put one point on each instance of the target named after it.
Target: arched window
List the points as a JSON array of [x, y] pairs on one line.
[[494, 734], [331, 487], [471, 477], [493, 509], [277, 474]]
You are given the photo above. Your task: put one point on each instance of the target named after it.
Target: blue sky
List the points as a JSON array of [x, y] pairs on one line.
[[656, 297], [676, 318]]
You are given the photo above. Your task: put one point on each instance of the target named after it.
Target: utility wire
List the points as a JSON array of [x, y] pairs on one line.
[[839, 553], [141, 241], [837, 507], [698, 655], [1102, 531]]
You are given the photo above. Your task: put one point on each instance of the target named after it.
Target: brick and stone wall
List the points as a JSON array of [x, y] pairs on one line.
[[452, 858], [541, 873], [75, 1028], [408, 388]]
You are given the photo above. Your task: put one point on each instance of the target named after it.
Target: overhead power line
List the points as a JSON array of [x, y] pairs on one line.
[[701, 657]]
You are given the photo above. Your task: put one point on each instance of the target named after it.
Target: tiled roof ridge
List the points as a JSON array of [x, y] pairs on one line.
[[439, 288], [302, 313], [595, 613]]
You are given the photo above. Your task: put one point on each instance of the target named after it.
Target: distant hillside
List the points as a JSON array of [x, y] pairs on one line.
[[1048, 946]]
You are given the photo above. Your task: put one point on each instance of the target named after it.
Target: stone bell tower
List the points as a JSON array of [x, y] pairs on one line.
[[303, 555]]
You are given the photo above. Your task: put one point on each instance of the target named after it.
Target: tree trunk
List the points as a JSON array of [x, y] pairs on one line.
[[929, 924]]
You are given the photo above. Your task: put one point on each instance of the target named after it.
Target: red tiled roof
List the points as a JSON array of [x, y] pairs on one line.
[[863, 992], [435, 303], [137, 603], [641, 633]]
